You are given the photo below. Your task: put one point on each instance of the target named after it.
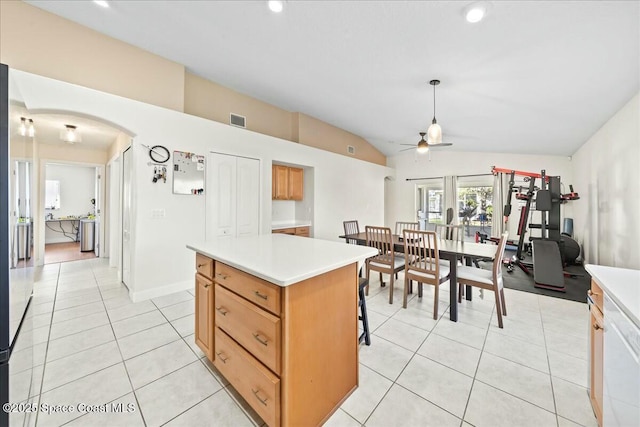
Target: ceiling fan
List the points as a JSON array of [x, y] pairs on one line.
[[434, 132], [424, 146]]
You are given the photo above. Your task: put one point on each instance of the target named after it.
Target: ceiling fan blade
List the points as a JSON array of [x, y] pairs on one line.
[[442, 144], [410, 145], [407, 149]]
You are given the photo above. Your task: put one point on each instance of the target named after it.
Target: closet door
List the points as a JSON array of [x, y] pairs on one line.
[[248, 196], [222, 185]]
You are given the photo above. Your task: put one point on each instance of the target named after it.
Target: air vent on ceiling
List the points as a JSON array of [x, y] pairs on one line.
[[237, 120], [351, 149]]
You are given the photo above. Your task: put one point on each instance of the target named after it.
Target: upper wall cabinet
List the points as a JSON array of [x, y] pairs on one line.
[[288, 183]]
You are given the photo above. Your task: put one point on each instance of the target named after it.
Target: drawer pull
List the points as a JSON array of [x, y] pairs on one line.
[[258, 294], [206, 286], [591, 293], [222, 276], [201, 265], [222, 310], [261, 341], [596, 326], [263, 401], [222, 359]]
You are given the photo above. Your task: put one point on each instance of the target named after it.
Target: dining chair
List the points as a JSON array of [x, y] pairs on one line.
[[386, 261], [351, 227], [422, 264], [449, 232], [488, 279], [401, 226]]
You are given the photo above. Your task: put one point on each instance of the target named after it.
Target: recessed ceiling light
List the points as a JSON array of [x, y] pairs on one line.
[[102, 3], [276, 5], [475, 11]]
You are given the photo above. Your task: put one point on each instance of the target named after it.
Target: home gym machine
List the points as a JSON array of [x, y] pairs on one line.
[[548, 249]]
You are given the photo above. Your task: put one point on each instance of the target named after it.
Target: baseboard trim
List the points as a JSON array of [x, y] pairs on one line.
[[161, 291]]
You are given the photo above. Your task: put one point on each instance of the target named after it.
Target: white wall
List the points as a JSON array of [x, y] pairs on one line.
[[606, 170], [77, 188], [344, 188], [400, 197]]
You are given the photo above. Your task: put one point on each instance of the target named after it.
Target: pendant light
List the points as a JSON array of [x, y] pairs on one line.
[[434, 133], [23, 126], [70, 134], [31, 130]]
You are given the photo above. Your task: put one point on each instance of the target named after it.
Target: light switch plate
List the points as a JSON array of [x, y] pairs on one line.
[[157, 213]]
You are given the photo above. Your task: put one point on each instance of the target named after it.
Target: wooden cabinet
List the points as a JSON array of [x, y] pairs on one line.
[[293, 364], [596, 331], [302, 231], [280, 184], [288, 183], [294, 231], [296, 184], [205, 295]]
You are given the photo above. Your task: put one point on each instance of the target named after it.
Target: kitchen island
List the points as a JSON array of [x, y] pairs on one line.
[[277, 316], [614, 335]]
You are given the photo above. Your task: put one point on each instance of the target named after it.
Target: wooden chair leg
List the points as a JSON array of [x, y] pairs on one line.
[[504, 305], [366, 289], [419, 289], [381, 281], [460, 291], [406, 291], [498, 306], [391, 288], [435, 303]]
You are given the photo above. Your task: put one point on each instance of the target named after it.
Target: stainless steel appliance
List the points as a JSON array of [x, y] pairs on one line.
[[87, 235], [16, 275]]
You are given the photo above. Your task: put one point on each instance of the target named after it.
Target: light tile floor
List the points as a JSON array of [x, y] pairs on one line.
[[94, 346]]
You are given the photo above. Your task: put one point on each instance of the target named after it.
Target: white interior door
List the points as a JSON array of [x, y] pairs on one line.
[[98, 213], [233, 196], [126, 216], [248, 196], [222, 185], [114, 213]]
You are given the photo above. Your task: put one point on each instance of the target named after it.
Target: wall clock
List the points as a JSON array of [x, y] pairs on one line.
[[159, 154]]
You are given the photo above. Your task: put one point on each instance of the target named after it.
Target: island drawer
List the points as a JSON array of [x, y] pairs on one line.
[[596, 295], [259, 387], [255, 329], [256, 290], [204, 265]]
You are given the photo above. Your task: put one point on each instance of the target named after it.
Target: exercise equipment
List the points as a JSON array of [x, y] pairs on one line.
[[549, 251]]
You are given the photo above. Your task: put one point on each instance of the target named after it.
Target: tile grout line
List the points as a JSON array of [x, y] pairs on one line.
[[46, 351], [124, 365], [553, 391]]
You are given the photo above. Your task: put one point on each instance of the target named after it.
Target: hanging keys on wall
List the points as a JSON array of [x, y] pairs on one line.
[[160, 172]]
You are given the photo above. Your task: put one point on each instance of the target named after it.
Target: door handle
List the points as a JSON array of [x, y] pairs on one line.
[[222, 310], [259, 295], [222, 359], [264, 342]]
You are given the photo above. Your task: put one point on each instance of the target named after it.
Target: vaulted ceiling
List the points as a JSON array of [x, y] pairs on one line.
[[532, 77]]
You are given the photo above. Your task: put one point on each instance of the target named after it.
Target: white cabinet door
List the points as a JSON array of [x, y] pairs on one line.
[[233, 196], [248, 196]]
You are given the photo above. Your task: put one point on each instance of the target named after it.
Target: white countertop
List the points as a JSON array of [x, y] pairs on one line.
[[622, 285], [289, 224], [282, 259]]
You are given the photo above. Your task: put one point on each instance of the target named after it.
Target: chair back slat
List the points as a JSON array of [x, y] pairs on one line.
[[381, 239], [351, 227], [450, 232], [401, 226], [421, 251], [497, 261]]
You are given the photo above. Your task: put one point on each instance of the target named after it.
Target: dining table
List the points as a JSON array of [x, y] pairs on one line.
[[451, 250]]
